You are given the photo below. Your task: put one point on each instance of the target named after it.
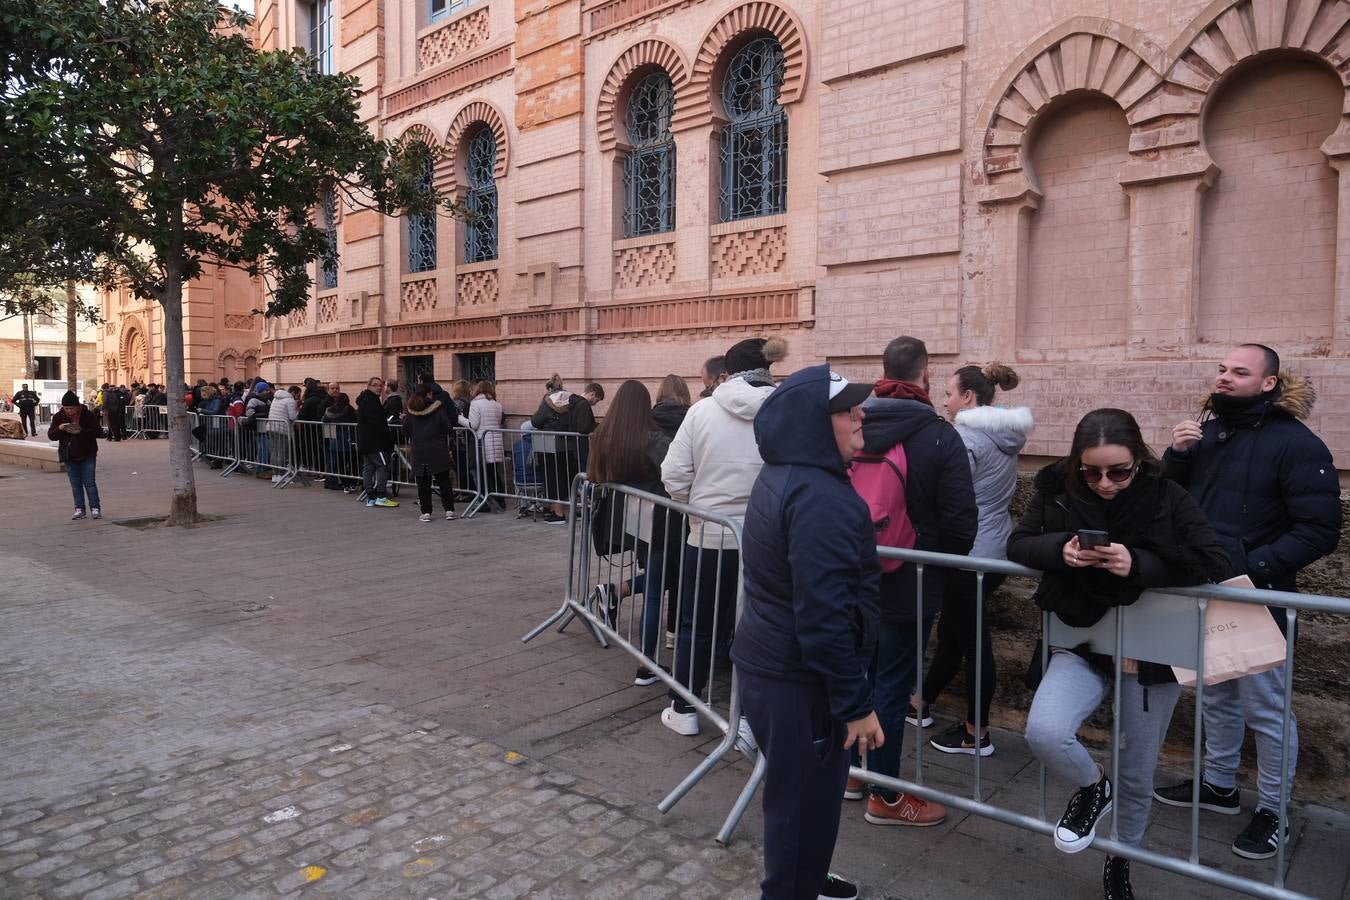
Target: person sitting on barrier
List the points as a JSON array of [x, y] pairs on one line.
[[428, 433], [1151, 534], [712, 464], [1271, 489], [571, 416], [375, 443], [339, 438], [939, 501], [672, 403], [628, 449], [808, 624], [485, 420], [993, 436]]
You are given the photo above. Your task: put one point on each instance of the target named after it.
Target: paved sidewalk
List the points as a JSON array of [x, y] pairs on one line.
[[309, 689]]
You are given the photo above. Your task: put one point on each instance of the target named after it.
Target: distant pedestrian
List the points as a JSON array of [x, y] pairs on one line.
[[339, 433], [375, 443], [485, 420], [672, 402], [27, 401], [428, 431], [76, 431]]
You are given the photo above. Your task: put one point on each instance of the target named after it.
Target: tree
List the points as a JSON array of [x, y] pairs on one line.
[[153, 133]]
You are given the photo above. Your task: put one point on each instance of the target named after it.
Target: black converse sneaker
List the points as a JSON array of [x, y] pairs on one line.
[[1213, 799], [1078, 826], [1116, 879], [957, 740], [1260, 839], [836, 888]]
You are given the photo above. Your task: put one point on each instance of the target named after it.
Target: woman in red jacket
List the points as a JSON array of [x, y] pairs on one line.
[[77, 431]]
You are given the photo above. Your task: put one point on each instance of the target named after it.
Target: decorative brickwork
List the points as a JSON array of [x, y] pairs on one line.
[[458, 331], [453, 38], [554, 323], [647, 265], [467, 74], [651, 52], [448, 174], [109, 327], [418, 296], [625, 12], [759, 251], [476, 288], [697, 313], [297, 318], [328, 309], [240, 323]]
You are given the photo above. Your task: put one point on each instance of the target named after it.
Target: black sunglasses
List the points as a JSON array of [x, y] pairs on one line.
[[1092, 474]]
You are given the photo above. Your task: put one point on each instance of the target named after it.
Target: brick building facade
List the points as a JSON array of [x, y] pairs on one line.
[[1103, 194]]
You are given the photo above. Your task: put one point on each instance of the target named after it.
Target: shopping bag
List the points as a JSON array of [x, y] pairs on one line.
[[1240, 639]]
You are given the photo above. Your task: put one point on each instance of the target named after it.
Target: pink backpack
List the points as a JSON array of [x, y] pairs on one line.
[[880, 480]]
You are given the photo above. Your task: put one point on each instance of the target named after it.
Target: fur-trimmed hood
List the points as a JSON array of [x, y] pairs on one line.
[[429, 410], [1006, 427], [1294, 395]]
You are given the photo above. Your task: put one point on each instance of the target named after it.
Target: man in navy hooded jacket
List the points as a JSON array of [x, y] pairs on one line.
[[808, 624]]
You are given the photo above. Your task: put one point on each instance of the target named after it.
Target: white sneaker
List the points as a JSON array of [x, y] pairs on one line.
[[670, 640], [745, 739], [449, 515], [424, 517], [678, 722], [96, 513], [276, 479], [79, 514]]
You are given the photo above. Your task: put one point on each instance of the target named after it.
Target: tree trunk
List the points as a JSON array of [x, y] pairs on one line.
[[72, 341], [29, 372], [183, 506]]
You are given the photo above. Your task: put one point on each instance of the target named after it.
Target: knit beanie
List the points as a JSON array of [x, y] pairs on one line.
[[70, 399]]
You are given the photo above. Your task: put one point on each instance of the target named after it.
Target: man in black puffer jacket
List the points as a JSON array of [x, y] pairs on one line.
[[940, 499], [375, 443], [1269, 486], [808, 624]]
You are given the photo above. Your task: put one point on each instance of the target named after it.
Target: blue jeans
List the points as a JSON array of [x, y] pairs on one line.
[[894, 673], [81, 475], [709, 586], [661, 578]]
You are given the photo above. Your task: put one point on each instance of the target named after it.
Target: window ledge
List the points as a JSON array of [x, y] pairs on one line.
[[646, 240], [484, 266], [749, 224]]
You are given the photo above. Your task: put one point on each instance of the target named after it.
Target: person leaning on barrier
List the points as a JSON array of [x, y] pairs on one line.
[[940, 503], [339, 441], [375, 443], [428, 432], [1269, 486], [1110, 482], [808, 625], [712, 464], [569, 414], [993, 436], [485, 420]]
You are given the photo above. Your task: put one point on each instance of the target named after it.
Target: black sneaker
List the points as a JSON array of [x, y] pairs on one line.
[[552, 518], [1260, 839], [1116, 879], [604, 604], [1078, 826], [913, 717], [1211, 798], [645, 676], [836, 888], [957, 740]]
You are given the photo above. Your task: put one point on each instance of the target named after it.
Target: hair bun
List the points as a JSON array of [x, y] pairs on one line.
[[1002, 376], [775, 349]]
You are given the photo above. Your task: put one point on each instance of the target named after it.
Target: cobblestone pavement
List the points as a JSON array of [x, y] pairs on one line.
[[307, 696]]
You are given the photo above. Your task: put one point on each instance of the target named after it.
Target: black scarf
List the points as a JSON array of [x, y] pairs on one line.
[[1242, 412]]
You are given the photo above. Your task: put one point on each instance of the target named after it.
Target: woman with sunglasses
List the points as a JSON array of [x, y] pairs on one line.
[[1150, 534]]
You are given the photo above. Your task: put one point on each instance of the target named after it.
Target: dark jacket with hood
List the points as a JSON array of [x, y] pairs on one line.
[[809, 556], [428, 434], [372, 428], [669, 415], [564, 411], [939, 494], [81, 446], [1266, 482], [1171, 544]]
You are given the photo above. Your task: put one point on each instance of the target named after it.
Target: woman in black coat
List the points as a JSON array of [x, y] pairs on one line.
[[428, 431], [1150, 534]]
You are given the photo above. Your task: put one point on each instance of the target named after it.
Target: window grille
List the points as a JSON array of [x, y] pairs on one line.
[[475, 367], [321, 35], [480, 232], [328, 263], [754, 142], [439, 9], [649, 166], [422, 231]]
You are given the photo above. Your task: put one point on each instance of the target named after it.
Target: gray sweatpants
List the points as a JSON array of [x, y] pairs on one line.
[[1068, 694], [1256, 701]]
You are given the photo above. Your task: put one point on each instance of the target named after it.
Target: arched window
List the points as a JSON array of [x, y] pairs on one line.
[[328, 263], [754, 142], [649, 166], [480, 234], [422, 231]]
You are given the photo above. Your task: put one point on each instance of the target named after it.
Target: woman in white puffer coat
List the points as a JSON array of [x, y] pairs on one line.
[[485, 419], [993, 436]]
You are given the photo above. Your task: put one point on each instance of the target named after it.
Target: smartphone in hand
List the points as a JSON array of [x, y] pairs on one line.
[[1091, 538]]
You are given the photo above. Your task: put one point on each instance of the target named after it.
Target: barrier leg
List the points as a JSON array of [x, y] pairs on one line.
[[743, 801]]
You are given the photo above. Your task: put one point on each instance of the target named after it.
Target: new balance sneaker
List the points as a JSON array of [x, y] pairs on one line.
[[95, 513], [836, 888], [855, 789], [957, 740], [685, 723], [1260, 839], [1078, 826], [1116, 879], [424, 517], [1213, 799], [919, 718], [78, 514], [745, 739], [386, 502], [906, 810]]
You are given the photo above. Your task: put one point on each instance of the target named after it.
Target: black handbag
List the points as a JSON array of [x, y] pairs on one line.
[[607, 521]]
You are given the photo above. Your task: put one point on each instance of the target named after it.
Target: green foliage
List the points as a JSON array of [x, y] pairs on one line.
[[151, 136]]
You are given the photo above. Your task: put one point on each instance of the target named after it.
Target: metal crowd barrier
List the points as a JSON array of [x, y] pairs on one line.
[[1184, 647], [702, 588], [528, 466], [151, 420]]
